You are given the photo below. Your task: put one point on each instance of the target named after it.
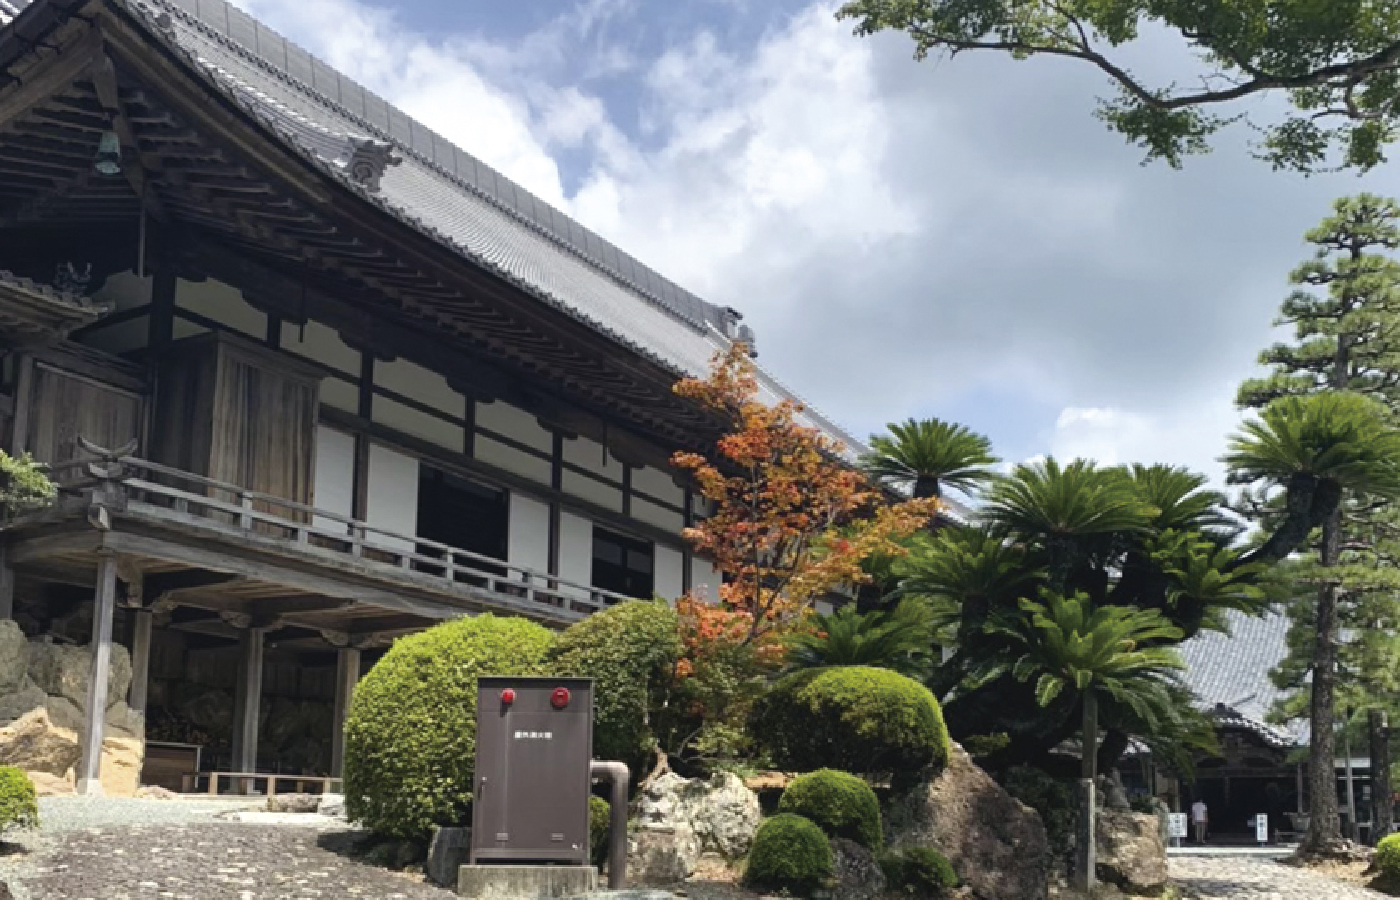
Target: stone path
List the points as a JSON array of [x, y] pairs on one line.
[[207, 861], [1258, 879]]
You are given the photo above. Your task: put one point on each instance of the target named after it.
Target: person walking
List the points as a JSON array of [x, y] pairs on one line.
[[1200, 818]]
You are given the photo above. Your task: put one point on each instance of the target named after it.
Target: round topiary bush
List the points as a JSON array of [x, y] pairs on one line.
[[630, 651], [1387, 858], [789, 853], [841, 804], [410, 736], [919, 872], [19, 808], [853, 718]]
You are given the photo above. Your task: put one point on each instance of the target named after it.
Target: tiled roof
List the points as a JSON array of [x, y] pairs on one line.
[[446, 192], [1229, 672]]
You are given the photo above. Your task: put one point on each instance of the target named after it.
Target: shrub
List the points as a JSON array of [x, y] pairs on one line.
[[853, 718], [920, 872], [599, 818], [789, 853], [1387, 859], [18, 806], [410, 736], [630, 652], [841, 804], [24, 484]]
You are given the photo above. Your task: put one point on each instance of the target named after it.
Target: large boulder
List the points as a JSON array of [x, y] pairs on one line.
[[46, 785], [14, 657], [28, 697], [856, 872], [721, 811], [1130, 853], [996, 843], [122, 758], [34, 743], [62, 670], [658, 856]]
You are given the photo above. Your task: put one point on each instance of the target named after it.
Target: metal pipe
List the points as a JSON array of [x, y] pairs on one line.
[[618, 775]]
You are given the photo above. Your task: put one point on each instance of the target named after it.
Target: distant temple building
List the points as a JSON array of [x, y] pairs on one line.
[[312, 378]]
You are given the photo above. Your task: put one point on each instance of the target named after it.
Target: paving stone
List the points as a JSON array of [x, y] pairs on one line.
[[1207, 878]]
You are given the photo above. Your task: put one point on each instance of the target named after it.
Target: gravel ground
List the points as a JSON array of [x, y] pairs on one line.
[[109, 849], [1259, 879]]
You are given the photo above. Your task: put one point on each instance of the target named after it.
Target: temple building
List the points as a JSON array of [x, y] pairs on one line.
[[311, 378]]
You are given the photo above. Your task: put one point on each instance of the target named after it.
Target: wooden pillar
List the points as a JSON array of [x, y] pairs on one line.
[[140, 659], [247, 702], [7, 584], [95, 711], [347, 675]]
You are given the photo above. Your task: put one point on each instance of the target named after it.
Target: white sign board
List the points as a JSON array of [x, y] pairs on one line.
[[1261, 828], [1176, 825]]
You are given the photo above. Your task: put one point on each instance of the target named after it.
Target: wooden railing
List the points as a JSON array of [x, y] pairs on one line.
[[114, 483]]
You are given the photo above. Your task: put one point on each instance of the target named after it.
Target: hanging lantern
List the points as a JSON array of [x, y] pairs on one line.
[[109, 154]]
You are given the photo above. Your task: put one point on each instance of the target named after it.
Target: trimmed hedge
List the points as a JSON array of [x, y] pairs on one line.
[[1387, 858], [19, 807], [789, 853], [410, 736], [630, 651], [853, 718], [919, 872], [840, 803]]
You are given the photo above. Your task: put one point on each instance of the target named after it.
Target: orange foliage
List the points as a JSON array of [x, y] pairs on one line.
[[780, 492]]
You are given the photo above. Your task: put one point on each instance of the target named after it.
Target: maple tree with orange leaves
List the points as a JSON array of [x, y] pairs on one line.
[[791, 520]]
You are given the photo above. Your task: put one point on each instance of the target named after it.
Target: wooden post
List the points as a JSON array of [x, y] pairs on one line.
[[347, 675], [7, 584], [248, 703], [140, 659], [1382, 802], [95, 712]]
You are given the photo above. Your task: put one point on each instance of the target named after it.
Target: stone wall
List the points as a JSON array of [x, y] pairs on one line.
[[43, 687]]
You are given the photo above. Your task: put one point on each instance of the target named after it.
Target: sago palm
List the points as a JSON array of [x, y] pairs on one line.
[[900, 639], [1065, 642], [926, 456]]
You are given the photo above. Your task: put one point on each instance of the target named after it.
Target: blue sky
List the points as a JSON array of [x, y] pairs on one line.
[[958, 238]]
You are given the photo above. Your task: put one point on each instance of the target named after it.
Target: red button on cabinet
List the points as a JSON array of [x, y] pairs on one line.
[[560, 698], [508, 696]]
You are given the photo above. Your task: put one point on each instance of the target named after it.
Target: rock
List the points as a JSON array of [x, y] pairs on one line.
[[14, 656], [660, 856], [34, 743], [293, 803], [47, 785], [1130, 851], [28, 696], [856, 873], [64, 713], [446, 854], [5, 892], [996, 844], [331, 805], [62, 670], [125, 720], [722, 812], [122, 758], [155, 792], [408, 853]]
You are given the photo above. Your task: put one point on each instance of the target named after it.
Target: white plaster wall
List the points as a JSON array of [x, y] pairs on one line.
[[335, 475], [704, 580], [123, 290], [512, 460], [648, 512], [514, 423], [392, 496], [595, 491], [423, 385], [340, 394], [222, 303], [419, 424], [575, 548], [668, 564], [590, 455], [658, 484], [323, 345], [528, 533]]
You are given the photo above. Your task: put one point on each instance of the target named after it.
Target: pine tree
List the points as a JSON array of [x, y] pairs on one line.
[[1346, 321]]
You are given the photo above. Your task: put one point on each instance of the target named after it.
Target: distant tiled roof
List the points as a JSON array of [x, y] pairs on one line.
[[1229, 673], [448, 193]]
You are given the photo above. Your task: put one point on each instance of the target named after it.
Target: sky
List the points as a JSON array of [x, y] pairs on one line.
[[952, 238]]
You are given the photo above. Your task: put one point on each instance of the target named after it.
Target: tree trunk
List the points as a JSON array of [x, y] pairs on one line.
[[1089, 765], [1324, 826], [1382, 802]]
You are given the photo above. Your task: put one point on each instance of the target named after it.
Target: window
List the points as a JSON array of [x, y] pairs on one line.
[[622, 565], [461, 513]]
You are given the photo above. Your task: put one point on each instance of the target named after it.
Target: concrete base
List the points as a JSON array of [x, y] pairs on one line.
[[525, 882]]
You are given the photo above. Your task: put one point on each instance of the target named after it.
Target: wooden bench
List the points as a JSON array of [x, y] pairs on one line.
[[247, 779]]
